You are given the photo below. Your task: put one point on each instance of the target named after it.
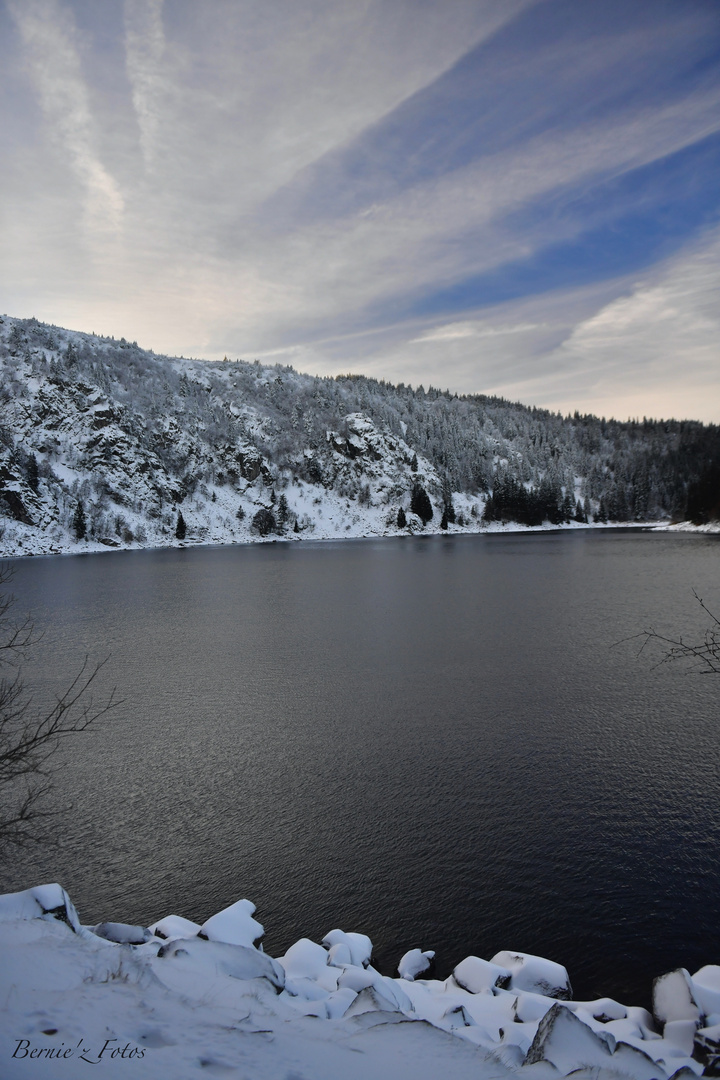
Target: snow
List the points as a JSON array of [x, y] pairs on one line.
[[174, 926], [135, 437], [535, 974], [187, 1007], [476, 975], [414, 963], [673, 997], [360, 945], [234, 924], [122, 933]]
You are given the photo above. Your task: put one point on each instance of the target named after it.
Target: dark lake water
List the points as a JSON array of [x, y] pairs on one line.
[[432, 741]]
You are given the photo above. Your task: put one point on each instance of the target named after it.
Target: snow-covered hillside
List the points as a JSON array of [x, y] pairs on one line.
[[181, 1000], [103, 444]]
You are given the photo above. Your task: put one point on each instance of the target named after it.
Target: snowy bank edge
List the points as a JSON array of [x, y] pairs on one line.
[[514, 1011]]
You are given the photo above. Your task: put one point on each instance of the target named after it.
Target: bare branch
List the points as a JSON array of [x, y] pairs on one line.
[[29, 739], [702, 656]]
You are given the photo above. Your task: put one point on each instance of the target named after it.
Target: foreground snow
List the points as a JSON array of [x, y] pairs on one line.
[[179, 1000]]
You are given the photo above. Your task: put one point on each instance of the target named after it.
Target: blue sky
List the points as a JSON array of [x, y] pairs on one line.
[[516, 197]]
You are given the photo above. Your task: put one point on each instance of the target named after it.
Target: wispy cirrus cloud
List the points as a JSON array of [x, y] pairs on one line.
[[144, 55], [50, 36], [439, 193]]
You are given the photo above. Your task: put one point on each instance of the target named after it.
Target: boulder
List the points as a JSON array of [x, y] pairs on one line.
[[706, 1049], [234, 925], [673, 998], [174, 926], [535, 974], [216, 957], [340, 955], [304, 960], [122, 933], [565, 1042], [705, 987], [415, 963], [478, 976], [360, 945], [42, 902]]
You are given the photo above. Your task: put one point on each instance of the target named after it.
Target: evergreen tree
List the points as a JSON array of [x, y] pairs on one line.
[[283, 511], [79, 522], [444, 518], [264, 522], [296, 527], [401, 519], [414, 463], [181, 527], [420, 504]]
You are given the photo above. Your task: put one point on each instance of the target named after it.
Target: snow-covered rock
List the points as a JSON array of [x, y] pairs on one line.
[[536, 974], [706, 1049], [359, 945], [191, 1005], [705, 985], [175, 926], [235, 961], [44, 901], [564, 1041], [122, 933], [415, 963], [476, 975], [234, 925], [673, 998]]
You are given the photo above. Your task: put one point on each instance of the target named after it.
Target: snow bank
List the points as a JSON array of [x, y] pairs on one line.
[[177, 999]]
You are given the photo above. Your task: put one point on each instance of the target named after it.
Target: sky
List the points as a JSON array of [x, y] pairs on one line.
[[511, 197]]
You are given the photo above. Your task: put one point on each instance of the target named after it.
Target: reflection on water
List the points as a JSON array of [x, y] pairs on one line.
[[428, 740]]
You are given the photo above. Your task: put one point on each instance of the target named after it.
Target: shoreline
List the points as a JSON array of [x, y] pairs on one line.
[[96, 547]]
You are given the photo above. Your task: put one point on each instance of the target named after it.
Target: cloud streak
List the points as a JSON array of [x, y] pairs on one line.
[[428, 192], [144, 53], [49, 35]]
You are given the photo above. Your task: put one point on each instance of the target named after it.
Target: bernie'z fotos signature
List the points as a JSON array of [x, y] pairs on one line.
[[25, 1049]]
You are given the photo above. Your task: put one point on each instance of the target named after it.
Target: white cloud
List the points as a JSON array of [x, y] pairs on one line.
[[624, 348], [659, 346], [472, 329], [49, 34], [233, 102], [144, 55]]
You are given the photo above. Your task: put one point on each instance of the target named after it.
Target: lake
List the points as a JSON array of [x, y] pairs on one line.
[[436, 741]]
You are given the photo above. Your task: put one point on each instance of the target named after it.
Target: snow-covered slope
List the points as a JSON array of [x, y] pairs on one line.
[[103, 444], [181, 1000]]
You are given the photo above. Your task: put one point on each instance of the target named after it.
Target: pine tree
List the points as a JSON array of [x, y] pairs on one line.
[[181, 527], [401, 519], [414, 463], [444, 518], [79, 522], [420, 504]]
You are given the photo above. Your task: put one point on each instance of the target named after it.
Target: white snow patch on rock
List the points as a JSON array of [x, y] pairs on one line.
[[234, 925]]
